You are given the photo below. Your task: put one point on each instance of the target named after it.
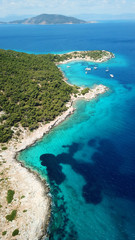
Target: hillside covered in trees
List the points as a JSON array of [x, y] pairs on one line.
[[31, 91]]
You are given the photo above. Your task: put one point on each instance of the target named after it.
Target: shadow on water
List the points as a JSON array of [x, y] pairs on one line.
[[102, 176]]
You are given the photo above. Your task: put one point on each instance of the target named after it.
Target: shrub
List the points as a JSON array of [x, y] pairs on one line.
[[24, 210], [15, 232], [12, 216], [22, 196], [10, 195], [84, 91], [4, 148], [4, 233]]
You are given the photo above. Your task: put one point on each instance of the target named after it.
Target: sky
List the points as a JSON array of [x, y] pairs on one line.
[[65, 7]]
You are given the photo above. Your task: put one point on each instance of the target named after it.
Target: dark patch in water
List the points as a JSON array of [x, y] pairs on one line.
[[59, 224], [53, 168], [92, 190], [129, 88], [92, 142], [102, 176]]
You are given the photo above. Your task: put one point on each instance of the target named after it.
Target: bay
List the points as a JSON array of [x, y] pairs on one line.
[[88, 160]]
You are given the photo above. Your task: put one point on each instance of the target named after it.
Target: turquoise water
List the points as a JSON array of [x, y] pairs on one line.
[[89, 159]]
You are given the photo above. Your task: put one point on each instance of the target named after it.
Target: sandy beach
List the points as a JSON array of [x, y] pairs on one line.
[[31, 199], [87, 58]]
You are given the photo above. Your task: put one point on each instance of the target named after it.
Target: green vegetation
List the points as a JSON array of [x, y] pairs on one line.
[[0, 206], [15, 232], [12, 216], [32, 91], [24, 210], [4, 148], [94, 55], [22, 196], [4, 233], [85, 90], [98, 54], [10, 195]]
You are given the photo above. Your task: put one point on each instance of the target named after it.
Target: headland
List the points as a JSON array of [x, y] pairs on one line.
[[31, 202]]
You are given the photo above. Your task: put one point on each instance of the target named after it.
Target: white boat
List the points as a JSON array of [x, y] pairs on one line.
[[85, 72], [111, 75], [107, 70], [88, 69], [95, 67], [68, 66]]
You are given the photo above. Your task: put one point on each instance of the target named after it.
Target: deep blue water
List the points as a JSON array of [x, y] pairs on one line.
[[89, 159]]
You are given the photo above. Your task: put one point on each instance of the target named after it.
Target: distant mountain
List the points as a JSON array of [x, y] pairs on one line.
[[44, 19]]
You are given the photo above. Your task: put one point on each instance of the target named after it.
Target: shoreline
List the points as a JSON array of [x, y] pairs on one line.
[[31, 182], [86, 58], [27, 182], [31, 176]]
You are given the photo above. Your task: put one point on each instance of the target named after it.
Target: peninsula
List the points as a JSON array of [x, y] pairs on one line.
[[33, 99]]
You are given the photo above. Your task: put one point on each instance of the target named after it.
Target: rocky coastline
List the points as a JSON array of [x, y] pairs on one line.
[[31, 200]]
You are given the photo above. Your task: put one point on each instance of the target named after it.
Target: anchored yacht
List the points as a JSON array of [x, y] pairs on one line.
[[111, 75], [88, 69]]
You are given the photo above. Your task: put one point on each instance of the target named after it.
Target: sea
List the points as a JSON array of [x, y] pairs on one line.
[[89, 159]]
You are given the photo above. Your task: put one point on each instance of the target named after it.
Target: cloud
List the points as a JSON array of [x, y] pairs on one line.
[[67, 7], [124, 1], [12, 3]]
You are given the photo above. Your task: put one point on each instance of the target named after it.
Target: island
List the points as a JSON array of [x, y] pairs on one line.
[[34, 97], [47, 19]]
